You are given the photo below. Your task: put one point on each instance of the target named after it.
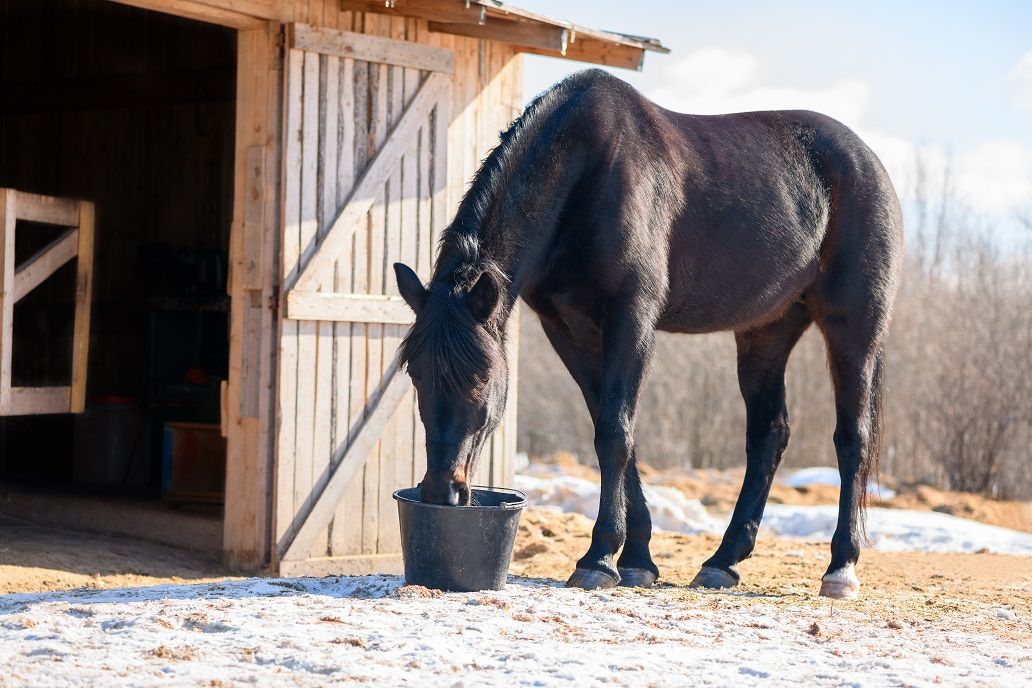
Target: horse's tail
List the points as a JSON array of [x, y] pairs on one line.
[[869, 466]]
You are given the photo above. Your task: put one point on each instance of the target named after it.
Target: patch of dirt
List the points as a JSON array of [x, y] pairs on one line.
[[38, 559], [183, 653], [899, 589], [417, 591], [718, 490]]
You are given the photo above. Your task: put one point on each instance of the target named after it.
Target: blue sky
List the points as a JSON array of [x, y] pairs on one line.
[[951, 79]]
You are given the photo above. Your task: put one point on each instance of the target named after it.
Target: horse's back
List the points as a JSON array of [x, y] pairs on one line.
[[770, 199]]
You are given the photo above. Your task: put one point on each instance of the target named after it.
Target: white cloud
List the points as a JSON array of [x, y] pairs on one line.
[[714, 81], [992, 176], [1020, 81], [995, 176]]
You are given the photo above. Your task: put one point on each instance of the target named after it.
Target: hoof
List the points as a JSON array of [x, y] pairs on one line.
[[841, 585], [636, 578], [709, 577], [590, 579]]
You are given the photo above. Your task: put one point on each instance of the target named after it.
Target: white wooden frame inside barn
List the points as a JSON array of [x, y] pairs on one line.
[[358, 125], [16, 281]]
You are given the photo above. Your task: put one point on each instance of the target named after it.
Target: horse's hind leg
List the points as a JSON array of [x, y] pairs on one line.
[[762, 356], [855, 359]]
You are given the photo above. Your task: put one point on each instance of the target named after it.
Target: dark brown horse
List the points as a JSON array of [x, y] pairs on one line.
[[613, 218]]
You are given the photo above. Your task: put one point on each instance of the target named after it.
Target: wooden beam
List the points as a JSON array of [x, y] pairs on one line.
[[31, 401], [598, 52], [362, 308], [47, 210], [211, 12], [347, 461], [45, 263], [351, 565], [453, 11], [525, 34], [360, 46], [83, 308], [370, 187], [8, 219]]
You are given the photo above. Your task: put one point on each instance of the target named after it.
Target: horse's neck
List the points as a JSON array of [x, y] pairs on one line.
[[525, 227], [516, 227]]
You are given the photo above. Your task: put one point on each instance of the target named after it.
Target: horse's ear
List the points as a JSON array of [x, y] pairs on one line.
[[484, 296], [410, 286]]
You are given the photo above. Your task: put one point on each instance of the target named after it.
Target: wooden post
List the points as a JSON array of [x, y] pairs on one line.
[[248, 408], [83, 307], [8, 218]]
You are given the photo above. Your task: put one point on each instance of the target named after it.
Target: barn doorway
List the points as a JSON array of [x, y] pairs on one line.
[[134, 112]]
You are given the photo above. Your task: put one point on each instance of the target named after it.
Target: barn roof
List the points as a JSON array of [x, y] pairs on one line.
[[533, 32], [492, 20]]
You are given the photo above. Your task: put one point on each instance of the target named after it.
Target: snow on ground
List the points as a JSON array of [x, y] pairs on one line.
[[670, 509], [824, 475], [896, 530], [333, 631], [900, 530]]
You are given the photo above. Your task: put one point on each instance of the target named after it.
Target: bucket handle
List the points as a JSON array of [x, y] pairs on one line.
[[505, 505]]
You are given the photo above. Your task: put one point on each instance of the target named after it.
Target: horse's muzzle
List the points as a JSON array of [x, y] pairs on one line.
[[444, 490]]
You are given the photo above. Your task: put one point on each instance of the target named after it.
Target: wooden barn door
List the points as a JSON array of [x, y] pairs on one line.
[[366, 127]]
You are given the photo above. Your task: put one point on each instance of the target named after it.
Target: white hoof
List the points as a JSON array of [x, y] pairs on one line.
[[841, 585]]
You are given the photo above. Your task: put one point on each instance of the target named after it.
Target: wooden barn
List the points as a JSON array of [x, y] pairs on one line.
[[200, 201]]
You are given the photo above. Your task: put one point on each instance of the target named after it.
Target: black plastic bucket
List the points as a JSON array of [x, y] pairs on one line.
[[459, 548]]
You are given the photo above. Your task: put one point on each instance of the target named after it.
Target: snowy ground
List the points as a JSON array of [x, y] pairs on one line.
[[332, 631], [892, 530]]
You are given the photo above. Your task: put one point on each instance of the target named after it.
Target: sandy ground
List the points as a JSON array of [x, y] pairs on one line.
[[910, 588], [898, 587], [37, 559]]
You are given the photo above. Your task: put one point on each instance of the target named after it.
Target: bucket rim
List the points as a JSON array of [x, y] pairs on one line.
[[504, 506]]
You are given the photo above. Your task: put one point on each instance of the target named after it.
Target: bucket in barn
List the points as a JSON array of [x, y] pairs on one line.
[[459, 548]]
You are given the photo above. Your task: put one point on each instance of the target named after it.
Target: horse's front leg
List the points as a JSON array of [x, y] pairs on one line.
[[627, 345]]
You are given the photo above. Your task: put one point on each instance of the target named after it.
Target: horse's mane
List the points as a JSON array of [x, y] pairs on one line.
[[463, 352], [464, 243]]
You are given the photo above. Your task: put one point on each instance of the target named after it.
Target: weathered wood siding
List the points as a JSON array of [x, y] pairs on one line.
[[338, 113]]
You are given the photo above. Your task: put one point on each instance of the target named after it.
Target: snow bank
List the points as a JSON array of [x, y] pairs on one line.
[[342, 631], [892, 530], [670, 509], [900, 530], [823, 475]]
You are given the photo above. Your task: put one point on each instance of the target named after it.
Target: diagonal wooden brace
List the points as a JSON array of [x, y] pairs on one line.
[[348, 459]]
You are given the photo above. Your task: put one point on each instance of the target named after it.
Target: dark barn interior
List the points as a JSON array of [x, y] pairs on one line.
[[133, 111]]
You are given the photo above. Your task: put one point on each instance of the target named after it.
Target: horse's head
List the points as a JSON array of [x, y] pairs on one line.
[[455, 355]]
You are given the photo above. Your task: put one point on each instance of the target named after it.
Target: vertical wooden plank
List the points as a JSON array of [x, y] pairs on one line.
[[327, 198], [349, 520], [306, 330], [291, 252], [410, 228], [264, 428], [440, 171], [343, 532], [83, 307], [508, 468], [374, 341], [395, 454], [8, 220]]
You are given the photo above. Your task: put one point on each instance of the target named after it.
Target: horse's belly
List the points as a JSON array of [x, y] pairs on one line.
[[721, 302]]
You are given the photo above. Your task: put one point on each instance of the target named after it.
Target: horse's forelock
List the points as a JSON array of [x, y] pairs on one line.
[[462, 353]]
